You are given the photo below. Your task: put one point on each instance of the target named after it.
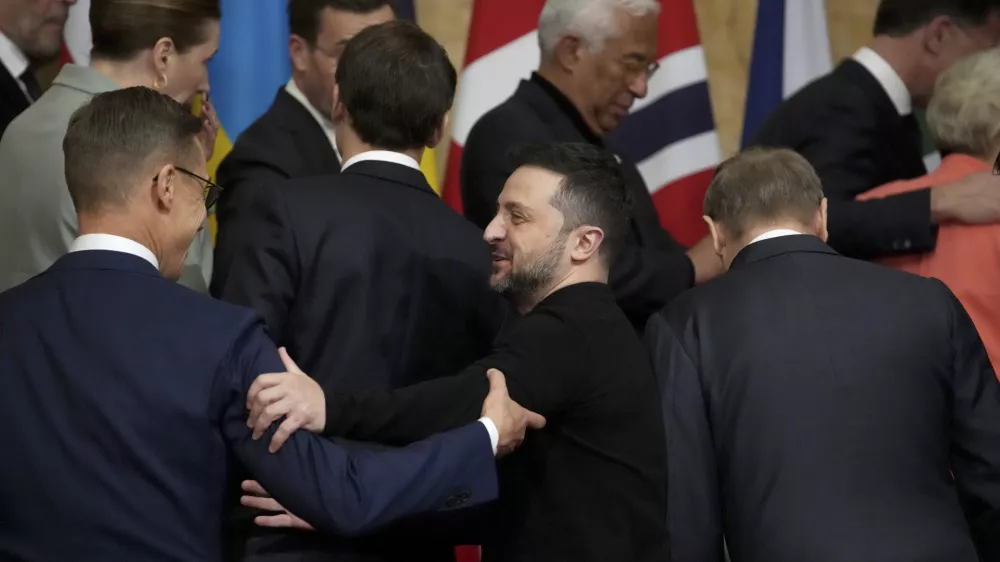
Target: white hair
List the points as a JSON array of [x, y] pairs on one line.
[[593, 21], [964, 113]]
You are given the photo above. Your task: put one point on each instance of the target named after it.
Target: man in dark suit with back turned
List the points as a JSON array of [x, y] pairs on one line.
[[124, 393], [294, 138], [586, 83], [30, 32], [367, 277], [818, 407], [589, 487], [856, 127]]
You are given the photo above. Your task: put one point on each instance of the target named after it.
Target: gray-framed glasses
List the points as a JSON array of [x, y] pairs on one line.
[[212, 189]]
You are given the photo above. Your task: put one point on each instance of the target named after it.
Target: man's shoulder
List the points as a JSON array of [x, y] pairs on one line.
[[513, 121]]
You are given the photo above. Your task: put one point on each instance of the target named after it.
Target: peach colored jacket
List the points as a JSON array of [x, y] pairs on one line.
[[967, 257]]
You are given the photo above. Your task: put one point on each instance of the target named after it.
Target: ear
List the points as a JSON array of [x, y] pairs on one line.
[[588, 241], [299, 51], [165, 187], [935, 34], [338, 112], [718, 238], [569, 52], [439, 131], [821, 221], [161, 53]]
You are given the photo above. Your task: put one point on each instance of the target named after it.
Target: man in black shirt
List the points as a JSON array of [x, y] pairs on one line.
[[592, 484]]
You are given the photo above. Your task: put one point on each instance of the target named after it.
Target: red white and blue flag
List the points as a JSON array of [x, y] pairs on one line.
[[670, 133]]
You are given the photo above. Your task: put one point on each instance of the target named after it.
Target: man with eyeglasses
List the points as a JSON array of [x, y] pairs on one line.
[[597, 57], [124, 402]]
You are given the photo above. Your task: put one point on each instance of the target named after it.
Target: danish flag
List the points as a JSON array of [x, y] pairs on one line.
[[670, 133]]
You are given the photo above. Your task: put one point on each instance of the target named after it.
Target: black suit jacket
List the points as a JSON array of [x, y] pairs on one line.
[[285, 142], [816, 408], [587, 487], [12, 99], [651, 269], [370, 281], [847, 127]]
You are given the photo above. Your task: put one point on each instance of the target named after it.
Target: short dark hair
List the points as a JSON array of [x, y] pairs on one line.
[[762, 185], [397, 85], [122, 28], [111, 138], [304, 15], [593, 190], [901, 17]]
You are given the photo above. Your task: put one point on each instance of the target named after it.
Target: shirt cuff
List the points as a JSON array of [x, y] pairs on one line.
[[491, 428]]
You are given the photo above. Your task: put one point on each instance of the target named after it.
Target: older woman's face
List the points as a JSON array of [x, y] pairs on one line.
[[187, 73]]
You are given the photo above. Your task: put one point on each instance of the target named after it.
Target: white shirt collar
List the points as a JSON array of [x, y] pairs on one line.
[[887, 76], [383, 156], [13, 58], [293, 90], [115, 244], [775, 234]]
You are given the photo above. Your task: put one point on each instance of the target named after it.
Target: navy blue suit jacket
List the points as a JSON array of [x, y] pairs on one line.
[[124, 395]]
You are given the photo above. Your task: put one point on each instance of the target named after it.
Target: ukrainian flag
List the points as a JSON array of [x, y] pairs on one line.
[[252, 63]]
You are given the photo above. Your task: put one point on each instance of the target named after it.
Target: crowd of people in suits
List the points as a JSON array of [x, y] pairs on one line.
[[356, 371]]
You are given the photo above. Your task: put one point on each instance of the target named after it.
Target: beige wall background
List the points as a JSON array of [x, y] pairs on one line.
[[726, 28]]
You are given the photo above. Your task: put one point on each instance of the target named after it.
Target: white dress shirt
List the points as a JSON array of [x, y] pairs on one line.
[[113, 243], [293, 90], [888, 78], [383, 156], [775, 234], [15, 61]]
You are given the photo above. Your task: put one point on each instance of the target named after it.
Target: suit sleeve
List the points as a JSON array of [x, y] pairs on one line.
[[537, 374], [975, 454], [842, 149], [261, 258], [352, 492], [694, 515]]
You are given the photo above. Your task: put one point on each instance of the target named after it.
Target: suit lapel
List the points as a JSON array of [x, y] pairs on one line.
[[11, 94], [311, 140]]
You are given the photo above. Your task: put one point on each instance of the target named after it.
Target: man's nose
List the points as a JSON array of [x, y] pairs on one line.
[[639, 86], [494, 230]]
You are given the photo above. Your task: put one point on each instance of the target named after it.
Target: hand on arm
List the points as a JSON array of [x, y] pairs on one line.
[[301, 400], [974, 199]]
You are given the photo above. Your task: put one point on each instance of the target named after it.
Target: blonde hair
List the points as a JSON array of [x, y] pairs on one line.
[[964, 113]]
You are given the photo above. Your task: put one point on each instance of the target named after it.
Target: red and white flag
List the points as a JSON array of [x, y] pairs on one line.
[[670, 133]]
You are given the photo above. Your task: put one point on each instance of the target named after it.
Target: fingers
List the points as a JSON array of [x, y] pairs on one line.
[[535, 421], [289, 364], [285, 430], [282, 520], [264, 504], [262, 382], [264, 399], [497, 381], [271, 414], [253, 487]]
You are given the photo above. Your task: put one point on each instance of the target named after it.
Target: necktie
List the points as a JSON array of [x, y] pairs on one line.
[[31, 84]]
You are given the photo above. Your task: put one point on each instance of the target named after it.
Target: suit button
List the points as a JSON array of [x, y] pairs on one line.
[[907, 244]]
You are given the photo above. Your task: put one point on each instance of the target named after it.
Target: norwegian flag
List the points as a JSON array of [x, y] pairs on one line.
[[670, 133]]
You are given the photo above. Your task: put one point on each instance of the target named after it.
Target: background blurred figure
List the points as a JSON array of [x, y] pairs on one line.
[[863, 423], [597, 59], [367, 277], [295, 137], [856, 127], [964, 118], [30, 33], [164, 45]]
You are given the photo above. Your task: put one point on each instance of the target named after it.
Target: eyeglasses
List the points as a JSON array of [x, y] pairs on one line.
[[633, 68], [212, 189]]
